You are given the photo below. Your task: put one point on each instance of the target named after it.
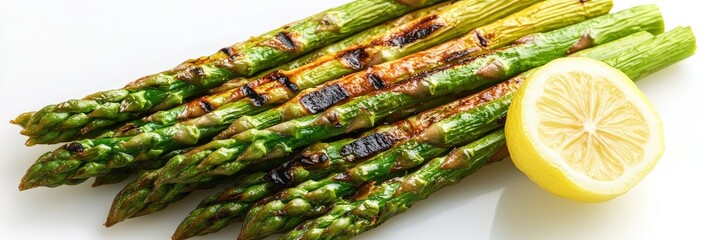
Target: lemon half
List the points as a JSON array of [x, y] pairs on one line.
[[582, 130]]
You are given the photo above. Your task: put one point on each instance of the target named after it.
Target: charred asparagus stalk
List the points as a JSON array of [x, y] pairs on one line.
[[361, 38], [291, 206], [380, 202], [354, 216], [120, 174], [202, 105], [543, 16], [99, 154], [226, 157], [141, 197], [317, 161], [170, 88], [167, 117]]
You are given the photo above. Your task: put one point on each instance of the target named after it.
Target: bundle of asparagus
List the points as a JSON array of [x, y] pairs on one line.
[[64, 121], [434, 83], [541, 15], [118, 152], [637, 56]]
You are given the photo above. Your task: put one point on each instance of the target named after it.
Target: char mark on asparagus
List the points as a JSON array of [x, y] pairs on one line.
[[323, 98], [357, 58], [206, 106], [376, 81], [419, 30], [282, 41], [74, 147], [283, 176], [368, 145], [284, 80], [257, 99]]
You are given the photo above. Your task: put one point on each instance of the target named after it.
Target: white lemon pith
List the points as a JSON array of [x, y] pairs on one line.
[[582, 130]]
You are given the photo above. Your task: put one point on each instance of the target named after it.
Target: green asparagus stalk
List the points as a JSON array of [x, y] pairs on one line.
[[277, 214], [94, 156], [289, 207], [543, 16], [286, 209], [429, 30], [203, 105], [377, 205], [118, 175], [226, 157], [193, 77], [317, 161], [142, 197], [361, 38], [199, 106]]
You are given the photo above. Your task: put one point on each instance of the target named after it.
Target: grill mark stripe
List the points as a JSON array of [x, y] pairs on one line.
[[456, 55], [206, 106], [323, 98], [285, 40], [376, 81], [355, 58], [257, 99], [198, 71], [284, 80], [366, 146], [288, 84], [482, 40], [283, 175], [227, 51], [420, 30]]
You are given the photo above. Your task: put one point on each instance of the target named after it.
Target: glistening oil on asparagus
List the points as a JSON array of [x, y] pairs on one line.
[[215, 113], [281, 211], [543, 16], [97, 155], [136, 199], [225, 157], [141, 197], [546, 15], [637, 56], [380, 202], [208, 103], [170, 88], [222, 94], [317, 161]]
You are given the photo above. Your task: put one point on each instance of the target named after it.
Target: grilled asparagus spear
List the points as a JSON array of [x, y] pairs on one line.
[[118, 175], [315, 162], [170, 88], [205, 104], [189, 110], [378, 204], [543, 16], [228, 156], [99, 154], [291, 206], [361, 38], [141, 197]]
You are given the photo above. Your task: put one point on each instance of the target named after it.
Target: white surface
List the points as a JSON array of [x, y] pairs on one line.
[[55, 50]]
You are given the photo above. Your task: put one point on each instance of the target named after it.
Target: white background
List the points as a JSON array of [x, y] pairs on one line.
[[56, 50]]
